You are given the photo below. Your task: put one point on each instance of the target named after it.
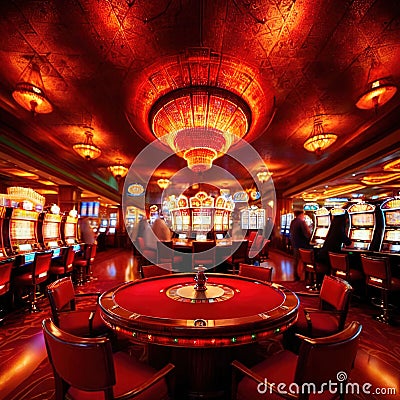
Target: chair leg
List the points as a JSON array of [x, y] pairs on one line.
[[33, 308], [385, 314]]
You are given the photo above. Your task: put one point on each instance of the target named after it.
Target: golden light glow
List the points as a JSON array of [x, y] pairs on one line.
[[339, 190], [23, 174], [118, 170], [310, 196], [163, 183], [200, 123], [379, 92], [392, 166], [48, 183], [29, 91], [264, 176], [379, 179], [318, 139], [88, 150]]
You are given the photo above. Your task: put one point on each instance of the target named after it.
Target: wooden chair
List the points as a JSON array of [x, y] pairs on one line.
[[36, 274], [238, 256], [260, 273], [86, 368], [83, 264], [378, 275], [340, 267], [148, 255], [319, 361], [65, 266], [5, 276], [312, 268], [83, 321]]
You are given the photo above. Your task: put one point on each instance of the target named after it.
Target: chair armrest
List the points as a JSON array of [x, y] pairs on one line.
[[267, 386], [150, 382], [308, 312]]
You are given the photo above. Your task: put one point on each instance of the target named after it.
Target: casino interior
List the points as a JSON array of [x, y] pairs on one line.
[[152, 157]]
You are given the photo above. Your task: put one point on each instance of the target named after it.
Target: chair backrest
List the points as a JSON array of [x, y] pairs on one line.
[[68, 259], [252, 236], [5, 276], [203, 252], [256, 247], [335, 295], [66, 352], [41, 266], [260, 273], [165, 252], [339, 264], [307, 256], [320, 360], [61, 295], [377, 271], [152, 270], [240, 254]]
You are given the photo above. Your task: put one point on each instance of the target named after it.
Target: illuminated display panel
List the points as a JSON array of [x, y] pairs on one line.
[[50, 230], [70, 230], [361, 234], [321, 232], [363, 219], [392, 218], [22, 229], [323, 220], [392, 236]]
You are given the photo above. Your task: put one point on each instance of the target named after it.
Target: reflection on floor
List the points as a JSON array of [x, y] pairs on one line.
[[26, 374]]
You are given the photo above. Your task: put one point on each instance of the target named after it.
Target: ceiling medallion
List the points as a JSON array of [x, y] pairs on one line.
[[318, 140], [29, 91], [199, 123], [88, 150]]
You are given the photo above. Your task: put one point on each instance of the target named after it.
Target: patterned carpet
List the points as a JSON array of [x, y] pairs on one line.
[[378, 359]]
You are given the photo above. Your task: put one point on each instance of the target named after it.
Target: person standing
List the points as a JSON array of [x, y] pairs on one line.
[[300, 238]]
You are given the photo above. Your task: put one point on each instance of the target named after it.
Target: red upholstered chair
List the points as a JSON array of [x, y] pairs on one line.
[[86, 368], [83, 264], [203, 253], [340, 267], [258, 249], [82, 321], [239, 255], [37, 273], [251, 271], [319, 361], [5, 275], [152, 270], [312, 269], [147, 255], [330, 317], [166, 254], [65, 265], [251, 237], [378, 275]]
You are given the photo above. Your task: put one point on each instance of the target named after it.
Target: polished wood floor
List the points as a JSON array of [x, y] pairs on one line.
[[25, 373]]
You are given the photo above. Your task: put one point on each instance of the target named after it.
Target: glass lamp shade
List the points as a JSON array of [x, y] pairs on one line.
[[29, 91], [87, 150], [118, 171], [263, 176], [200, 123], [318, 139], [379, 92], [163, 183]]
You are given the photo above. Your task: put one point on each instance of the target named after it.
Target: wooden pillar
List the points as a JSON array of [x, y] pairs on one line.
[[68, 198]]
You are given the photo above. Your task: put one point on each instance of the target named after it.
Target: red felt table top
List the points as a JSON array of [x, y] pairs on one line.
[[148, 298]]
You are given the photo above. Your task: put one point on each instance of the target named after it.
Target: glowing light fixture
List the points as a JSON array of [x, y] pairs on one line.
[[88, 150], [379, 179], [393, 165], [118, 170], [200, 123], [318, 140], [29, 91], [339, 190], [264, 176], [163, 183]]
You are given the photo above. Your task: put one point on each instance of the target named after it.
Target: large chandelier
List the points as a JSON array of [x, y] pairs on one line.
[[318, 139], [29, 91], [88, 150], [200, 123], [163, 183], [118, 170]]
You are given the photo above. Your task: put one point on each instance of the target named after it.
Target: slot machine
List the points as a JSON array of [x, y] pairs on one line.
[[219, 214], [322, 224], [180, 215], [362, 225], [202, 210], [69, 231], [20, 235], [49, 231], [4, 257], [391, 226]]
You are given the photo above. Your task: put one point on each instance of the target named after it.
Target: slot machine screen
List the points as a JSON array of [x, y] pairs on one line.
[[323, 220], [50, 230], [219, 236], [392, 236], [111, 231], [362, 219], [321, 232], [361, 234], [102, 230], [22, 229], [392, 218], [70, 230]]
